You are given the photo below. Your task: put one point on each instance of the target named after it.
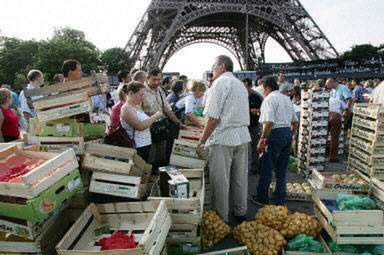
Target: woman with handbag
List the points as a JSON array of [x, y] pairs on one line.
[[135, 122]]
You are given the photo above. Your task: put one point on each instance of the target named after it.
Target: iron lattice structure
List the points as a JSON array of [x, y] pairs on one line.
[[241, 26]]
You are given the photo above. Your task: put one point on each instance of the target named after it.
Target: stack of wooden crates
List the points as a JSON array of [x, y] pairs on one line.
[[32, 205], [64, 114], [117, 171], [366, 159], [313, 130]]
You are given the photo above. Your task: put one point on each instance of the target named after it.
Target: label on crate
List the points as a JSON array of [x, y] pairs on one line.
[[347, 186], [298, 196], [372, 112], [73, 184], [365, 123], [114, 189], [16, 229], [63, 128]]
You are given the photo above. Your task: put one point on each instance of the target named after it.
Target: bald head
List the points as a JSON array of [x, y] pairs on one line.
[[331, 83]]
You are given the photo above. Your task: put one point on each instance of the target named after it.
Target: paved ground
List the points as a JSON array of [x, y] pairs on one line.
[[306, 207]]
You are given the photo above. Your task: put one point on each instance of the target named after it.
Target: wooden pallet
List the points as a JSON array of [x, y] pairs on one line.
[[349, 227], [186, 213], [42, 177], [150, 217]]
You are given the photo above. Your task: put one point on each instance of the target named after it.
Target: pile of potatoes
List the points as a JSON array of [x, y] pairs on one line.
[[347, 178], [272, 216], [300, 223], [296, 187], [214, 229], [260, 239]]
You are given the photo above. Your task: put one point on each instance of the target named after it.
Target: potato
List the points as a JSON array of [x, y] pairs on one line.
[[272, 216], [300, 223], [264, 240], [213, 228]]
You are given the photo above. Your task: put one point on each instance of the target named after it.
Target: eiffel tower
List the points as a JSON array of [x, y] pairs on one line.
[[241, 26]]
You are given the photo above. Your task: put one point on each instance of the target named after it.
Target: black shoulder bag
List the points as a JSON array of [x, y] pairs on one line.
[[160, 128]]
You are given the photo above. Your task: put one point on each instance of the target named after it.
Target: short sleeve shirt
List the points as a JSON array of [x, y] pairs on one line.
[[192, 103], [154, 100], [278, 109], [341, 92], [227, 102]]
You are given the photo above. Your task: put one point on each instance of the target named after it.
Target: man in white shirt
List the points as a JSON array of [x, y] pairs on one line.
[[279, 123], [336, 107], [226, 135], [36, 80]]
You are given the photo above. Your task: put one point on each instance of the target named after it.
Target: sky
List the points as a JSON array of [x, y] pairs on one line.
[[109, 23]]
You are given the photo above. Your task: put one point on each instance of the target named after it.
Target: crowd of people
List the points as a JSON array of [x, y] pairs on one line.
[[250, 128]]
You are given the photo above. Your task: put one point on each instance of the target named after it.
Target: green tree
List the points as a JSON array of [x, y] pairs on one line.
[[16, 58], [116, 59], [361, 51], [66, 43]]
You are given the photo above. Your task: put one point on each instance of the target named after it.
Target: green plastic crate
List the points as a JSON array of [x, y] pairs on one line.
[[41, 207]]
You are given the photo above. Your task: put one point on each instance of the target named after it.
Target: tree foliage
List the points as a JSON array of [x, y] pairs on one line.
[[115, 59], [16, 58], [363, 51], [66, 44]]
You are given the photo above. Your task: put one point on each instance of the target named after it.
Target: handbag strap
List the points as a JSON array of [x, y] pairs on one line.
[[162, 100]]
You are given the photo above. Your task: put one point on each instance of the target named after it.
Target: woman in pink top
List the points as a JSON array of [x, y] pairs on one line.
[[116, 109]]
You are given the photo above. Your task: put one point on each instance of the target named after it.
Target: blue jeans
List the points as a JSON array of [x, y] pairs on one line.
[[275, 158]]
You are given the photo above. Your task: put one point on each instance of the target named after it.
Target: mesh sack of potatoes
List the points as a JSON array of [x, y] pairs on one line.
[[300, 223], [272, 216], [259, 239], [214, 229]]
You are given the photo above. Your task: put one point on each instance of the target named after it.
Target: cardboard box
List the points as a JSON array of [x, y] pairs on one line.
[[173, 183]]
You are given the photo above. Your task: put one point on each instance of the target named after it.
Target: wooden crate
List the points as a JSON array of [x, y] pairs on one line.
[[374, 111], [66, 106], [293, 196], [123, 174], [186, 213], [45, 243], [45, 204], [94, 85], [39, 179], [369, 135], [185, 148], [368, 123], [369, 159], [150, 217], [368, 147], [186, 162], [349, 227], [57, 144], [323, 180], [202, 121], [355, 164], [234, 251], [120, 160], [325, 246], [190, 133], [66, 128]]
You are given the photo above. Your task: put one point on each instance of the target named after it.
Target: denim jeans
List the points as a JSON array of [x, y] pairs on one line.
[[253, 155], [275, 158]]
